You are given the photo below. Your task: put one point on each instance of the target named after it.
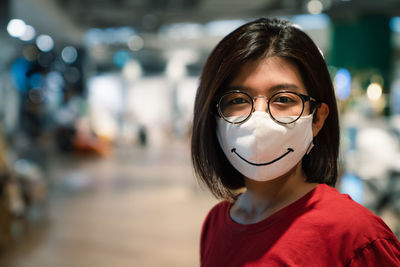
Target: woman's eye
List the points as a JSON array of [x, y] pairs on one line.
[[238, 100], [284, 100]]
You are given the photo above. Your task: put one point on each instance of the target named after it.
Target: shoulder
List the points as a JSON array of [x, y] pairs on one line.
[[213, 223], [355, 225], [217, 214], [343, 211]]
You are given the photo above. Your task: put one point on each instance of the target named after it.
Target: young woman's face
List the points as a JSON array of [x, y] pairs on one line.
[[263, 147], [266, 77]]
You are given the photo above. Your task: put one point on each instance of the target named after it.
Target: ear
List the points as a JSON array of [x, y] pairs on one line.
[[319, 118]]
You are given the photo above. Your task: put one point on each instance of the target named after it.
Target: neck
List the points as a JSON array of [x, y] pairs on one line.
[[261, 199]]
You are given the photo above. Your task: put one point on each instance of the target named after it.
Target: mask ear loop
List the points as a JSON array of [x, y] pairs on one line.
[[310, 147]]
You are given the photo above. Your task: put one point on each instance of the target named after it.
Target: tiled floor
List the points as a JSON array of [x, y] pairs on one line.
[[138, 207]]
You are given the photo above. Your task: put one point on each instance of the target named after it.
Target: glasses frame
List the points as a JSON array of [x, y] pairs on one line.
[[304, 98]]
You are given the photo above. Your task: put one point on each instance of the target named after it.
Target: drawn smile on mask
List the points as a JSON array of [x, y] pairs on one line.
[[263, 164]]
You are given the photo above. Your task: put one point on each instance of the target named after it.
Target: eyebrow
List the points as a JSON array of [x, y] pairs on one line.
[[276, 88]]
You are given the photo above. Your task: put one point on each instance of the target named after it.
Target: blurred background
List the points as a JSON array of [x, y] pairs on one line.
[[96, 100]]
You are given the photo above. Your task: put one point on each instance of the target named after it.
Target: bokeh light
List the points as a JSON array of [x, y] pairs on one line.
[[30, 52], [135, 43], [69, 54], [121, 57], [16, 27], [45, 43], [342, 84], [29, 33], [374, 91], [314, 7]]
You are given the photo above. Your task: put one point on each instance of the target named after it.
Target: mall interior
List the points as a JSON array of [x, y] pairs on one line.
[[96, 104]]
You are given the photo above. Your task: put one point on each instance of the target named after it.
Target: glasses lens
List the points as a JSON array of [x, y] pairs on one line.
[[235, 107], [286, 107]]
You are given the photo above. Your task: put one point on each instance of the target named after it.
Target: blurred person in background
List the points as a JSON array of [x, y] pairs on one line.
[[265, 140]]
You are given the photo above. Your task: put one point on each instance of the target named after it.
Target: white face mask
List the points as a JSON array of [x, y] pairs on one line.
[[262, 149]]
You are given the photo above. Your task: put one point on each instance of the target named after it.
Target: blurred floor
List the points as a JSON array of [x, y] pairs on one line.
[[138, 207]]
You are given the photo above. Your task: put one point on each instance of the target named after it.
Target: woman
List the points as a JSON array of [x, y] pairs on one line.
[[266, 120]]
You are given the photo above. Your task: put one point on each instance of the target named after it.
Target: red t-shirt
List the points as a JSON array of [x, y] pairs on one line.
[[323, 228]]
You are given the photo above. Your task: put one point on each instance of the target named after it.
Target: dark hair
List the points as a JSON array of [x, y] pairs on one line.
[[261, 38]]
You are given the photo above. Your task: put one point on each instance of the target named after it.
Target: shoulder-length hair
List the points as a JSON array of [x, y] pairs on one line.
[[261, 38]]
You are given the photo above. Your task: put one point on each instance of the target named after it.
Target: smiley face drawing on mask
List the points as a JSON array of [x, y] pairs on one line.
[[262, 164]]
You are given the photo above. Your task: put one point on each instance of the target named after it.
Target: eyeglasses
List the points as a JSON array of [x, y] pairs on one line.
[[284, 107]]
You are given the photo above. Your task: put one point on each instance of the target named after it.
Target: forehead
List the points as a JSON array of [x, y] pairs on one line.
[[268, 75]]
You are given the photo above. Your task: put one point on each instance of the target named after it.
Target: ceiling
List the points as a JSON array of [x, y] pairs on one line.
[[67, 21], [148, 15]]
